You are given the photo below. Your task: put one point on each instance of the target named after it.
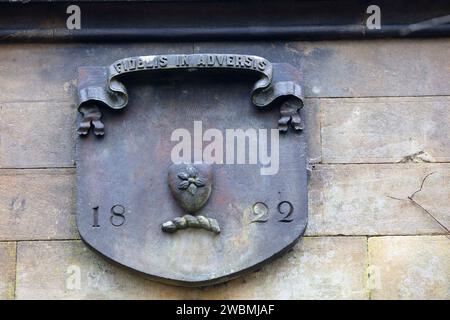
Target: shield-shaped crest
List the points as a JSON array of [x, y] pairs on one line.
[[202, 176]]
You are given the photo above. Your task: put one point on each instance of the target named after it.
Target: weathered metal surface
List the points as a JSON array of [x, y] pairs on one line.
[[129, 190]]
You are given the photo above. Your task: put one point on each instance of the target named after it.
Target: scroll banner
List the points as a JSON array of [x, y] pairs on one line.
[[102, 84]]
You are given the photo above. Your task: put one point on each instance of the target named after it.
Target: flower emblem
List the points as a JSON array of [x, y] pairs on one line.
[[190, 180]]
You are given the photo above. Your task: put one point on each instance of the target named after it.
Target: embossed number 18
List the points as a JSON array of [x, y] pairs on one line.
[[117, 217]]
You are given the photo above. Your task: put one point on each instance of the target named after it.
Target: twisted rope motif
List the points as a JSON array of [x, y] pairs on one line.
[[190, 221]]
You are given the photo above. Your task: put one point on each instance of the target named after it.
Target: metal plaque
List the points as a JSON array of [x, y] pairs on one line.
[[195, 171]]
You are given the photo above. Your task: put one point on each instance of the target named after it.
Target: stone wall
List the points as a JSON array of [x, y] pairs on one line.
[[379, 137]]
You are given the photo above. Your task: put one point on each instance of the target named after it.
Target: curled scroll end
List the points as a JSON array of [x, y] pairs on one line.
[[90, 117], [290, 115]]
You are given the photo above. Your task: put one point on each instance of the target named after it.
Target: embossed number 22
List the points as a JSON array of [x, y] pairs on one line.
[[261, 212], [117, 217]]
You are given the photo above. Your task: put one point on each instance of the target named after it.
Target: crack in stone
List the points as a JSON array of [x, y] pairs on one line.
[[421, 186], [414, 202]]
